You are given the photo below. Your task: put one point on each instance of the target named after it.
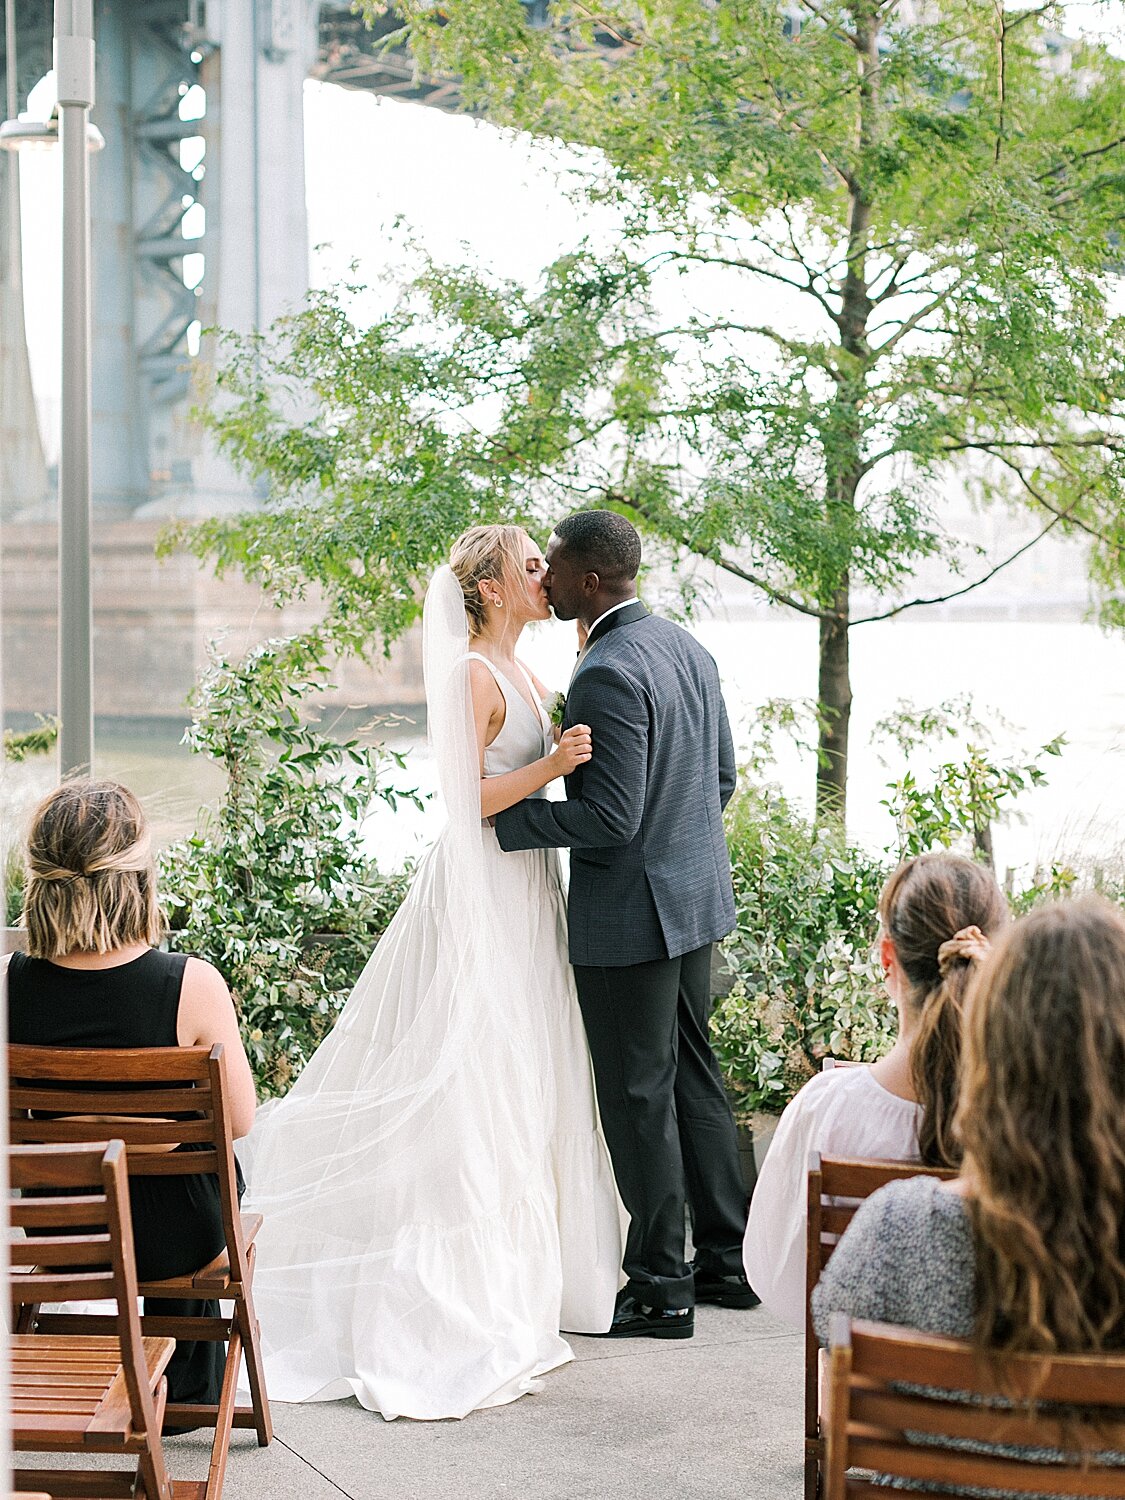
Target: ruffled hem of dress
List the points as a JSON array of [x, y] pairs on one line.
[[461, 1292], [592, 1225]]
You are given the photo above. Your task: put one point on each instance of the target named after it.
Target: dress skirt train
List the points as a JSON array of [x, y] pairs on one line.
[[437, 1195]]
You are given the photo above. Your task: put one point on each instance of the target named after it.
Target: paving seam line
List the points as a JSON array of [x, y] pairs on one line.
[[309, 1465]]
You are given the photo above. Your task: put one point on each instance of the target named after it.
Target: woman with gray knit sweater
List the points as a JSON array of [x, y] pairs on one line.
[[1025, 1250]]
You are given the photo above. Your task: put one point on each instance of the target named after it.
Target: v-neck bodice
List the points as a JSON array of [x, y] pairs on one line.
[[525, 734]]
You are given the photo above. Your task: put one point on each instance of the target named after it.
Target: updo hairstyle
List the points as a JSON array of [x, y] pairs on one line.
[[486, 552], [91, 880], [939, 910]]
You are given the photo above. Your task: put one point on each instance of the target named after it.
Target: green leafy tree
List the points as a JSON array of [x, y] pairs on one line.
[[939, 187], [274, 888], [942, 185]]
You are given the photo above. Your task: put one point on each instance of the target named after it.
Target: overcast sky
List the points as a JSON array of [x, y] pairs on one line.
[[464, 187]]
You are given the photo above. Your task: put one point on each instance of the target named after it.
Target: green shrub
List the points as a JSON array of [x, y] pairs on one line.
[[274, 888], [806, 983]]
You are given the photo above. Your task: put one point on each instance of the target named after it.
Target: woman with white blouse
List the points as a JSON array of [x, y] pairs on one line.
[[937, 912]]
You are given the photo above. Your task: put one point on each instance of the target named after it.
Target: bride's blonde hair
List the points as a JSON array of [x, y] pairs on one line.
[[486, 552], [91, 880]]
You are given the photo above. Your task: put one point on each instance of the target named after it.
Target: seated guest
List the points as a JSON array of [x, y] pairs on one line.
[[1025, 1251], [91, 977], [937, 913]]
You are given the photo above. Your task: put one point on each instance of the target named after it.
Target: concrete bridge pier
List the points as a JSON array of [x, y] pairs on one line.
[[256, 55]]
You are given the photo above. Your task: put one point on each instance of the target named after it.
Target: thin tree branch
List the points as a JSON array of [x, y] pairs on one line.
[[915, 319], [889, 614], [818, 12], [1001, 78], [1062, 515], [727, 564], [1072, 161], [1109, 440], [739, 264]]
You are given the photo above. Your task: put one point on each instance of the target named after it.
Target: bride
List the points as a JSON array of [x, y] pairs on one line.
[[437, 1195]]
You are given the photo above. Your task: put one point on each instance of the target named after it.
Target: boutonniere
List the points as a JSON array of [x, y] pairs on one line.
[[556, 708]]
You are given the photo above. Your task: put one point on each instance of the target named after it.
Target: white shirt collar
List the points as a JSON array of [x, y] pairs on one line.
[[612, 610]]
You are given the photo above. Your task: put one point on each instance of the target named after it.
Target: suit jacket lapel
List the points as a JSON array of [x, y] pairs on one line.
[[625, 616]]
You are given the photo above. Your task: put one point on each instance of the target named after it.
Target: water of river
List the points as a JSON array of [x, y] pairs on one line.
[[1045, 678]]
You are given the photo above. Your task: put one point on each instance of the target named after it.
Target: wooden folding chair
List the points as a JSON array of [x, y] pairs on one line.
[[139, 1088], [1068, 1410], [84, 1394], [836, 1188]]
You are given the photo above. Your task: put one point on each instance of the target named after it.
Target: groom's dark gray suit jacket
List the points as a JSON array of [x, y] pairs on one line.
[[649, 871]]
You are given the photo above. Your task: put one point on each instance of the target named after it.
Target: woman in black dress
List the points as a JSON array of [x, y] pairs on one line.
[[92, 977]]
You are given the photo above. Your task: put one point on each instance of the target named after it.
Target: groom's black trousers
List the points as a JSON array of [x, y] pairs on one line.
[[666, 1120]]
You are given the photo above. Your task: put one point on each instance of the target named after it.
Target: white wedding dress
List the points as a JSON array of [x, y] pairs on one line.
[[437, 1197]]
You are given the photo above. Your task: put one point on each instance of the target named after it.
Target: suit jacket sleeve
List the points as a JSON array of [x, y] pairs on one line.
[[728, 769], [611, 800]]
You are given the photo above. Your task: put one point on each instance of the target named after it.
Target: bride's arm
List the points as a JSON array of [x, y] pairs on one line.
[[499, 792]]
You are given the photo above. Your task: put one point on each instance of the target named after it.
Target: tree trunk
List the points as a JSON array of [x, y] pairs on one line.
[[844, 457], [982, 842], [834, 693]]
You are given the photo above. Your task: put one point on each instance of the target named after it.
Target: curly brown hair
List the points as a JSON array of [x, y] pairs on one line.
[[925, 904], [1042, 1118]]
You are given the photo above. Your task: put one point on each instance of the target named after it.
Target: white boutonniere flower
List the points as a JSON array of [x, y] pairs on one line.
[[556, 708]]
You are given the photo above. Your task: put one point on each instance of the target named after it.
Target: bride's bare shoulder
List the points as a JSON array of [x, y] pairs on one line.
[[482, 684]]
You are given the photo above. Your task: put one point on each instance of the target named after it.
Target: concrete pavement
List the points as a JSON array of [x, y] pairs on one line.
[[714, 1418]]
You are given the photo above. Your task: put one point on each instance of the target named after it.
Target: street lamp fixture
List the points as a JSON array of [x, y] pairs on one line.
[[16, 135]]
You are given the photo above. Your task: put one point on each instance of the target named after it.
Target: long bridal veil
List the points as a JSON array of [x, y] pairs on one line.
[[409, 1182]]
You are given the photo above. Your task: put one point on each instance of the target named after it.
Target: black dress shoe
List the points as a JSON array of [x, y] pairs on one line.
[[724, 1291], [633, 1319]]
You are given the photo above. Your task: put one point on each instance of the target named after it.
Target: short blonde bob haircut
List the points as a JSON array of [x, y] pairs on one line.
[[91, 880]]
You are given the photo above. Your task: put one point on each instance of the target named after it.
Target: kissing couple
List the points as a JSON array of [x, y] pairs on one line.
[[438, 1198]]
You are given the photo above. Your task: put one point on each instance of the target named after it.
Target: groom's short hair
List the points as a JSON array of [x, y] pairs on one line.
[[602, 542]]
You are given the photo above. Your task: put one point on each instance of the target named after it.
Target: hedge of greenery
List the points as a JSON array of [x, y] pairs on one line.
[[806, 984], [274, 888]]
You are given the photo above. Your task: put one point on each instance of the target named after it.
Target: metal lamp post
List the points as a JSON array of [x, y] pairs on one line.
[[74, 73]]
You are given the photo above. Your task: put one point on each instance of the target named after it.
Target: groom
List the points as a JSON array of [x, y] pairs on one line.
[[650, 891]]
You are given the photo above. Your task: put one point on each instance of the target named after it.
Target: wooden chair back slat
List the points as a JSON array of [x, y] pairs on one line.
[[72, 1129], [176, 1163], [31, 1287], [877, 1408], [836, 1188], [1086, 1379], [144, 1066], [915, 1464], [166, 1163], [149, 1101], [47, 1167], [1066, 1411], [37, 1213], [857, 1177], [69, 1251]]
